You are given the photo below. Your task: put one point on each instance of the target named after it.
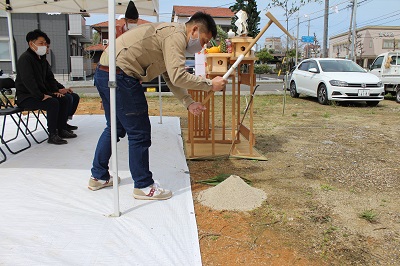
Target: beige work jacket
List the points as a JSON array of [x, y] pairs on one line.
[[158, 48]]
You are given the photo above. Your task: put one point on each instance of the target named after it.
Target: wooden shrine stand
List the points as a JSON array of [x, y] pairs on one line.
[[218, 132], [211, 135]]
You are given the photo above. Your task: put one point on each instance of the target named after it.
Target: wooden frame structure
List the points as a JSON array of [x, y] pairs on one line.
[[213, 133], [204, 140]]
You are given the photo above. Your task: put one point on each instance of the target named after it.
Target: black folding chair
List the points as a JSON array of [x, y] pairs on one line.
[[36, 115], [7, 84], [8, 110], [4, 156]]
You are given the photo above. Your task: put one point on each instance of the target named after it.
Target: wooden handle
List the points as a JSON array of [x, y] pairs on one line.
[[207, 98], [271, 17], [257, 37]]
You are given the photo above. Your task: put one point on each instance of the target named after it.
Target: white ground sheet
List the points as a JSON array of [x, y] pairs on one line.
[[50, 217]]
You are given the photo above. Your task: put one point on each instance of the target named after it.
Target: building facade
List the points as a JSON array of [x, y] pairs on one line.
[[370, 42], [101, 28], [273, 43], [222, 15], [68, 34]]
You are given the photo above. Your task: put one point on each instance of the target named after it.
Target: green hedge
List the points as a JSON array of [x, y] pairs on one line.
[[262, 69]]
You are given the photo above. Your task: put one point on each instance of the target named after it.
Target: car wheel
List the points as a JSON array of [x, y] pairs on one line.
[[293, 91], [322, 95], [398, 96], [372, 104]]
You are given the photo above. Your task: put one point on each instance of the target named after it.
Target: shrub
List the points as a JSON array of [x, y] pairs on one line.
[[262, 69]]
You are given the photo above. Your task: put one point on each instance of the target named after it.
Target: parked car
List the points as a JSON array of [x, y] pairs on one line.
[[152, 86], [190, 66], [286, 82], [386, 66], [333, 79]]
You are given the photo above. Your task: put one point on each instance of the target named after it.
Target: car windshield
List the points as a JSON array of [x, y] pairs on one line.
[[190, 63], [340, 66]]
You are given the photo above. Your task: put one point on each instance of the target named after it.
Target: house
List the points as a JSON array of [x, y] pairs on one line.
[[221, 15], [370, 42], [102, 29], [273, 43], [68, 35]]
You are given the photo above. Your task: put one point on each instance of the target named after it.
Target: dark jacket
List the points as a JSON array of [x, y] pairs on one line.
[[34, 77]]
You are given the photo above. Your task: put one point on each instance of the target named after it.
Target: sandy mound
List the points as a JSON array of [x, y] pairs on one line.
[[233, 194]]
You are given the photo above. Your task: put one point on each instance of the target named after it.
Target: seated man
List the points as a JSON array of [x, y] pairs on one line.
[[36, 90], [72, 97]]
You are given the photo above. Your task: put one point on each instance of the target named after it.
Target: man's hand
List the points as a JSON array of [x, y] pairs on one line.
[[46, 97], [218, 83], [58, 95], [65, 90], [196, 108]]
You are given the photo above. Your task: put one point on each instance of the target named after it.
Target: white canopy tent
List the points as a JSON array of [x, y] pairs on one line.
[[112, 7]]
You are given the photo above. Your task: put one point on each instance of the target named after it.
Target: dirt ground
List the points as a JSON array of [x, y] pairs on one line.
[[332, 180]]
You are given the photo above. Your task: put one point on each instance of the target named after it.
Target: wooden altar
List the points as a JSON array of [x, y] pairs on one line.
[[217, 132]]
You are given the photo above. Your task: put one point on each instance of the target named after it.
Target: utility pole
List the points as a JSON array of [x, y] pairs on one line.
[[297, 40], [349, 35], [325, 38], [308, 34], [354, 52]]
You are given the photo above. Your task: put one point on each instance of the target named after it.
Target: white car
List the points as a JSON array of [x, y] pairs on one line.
[[333, 79]]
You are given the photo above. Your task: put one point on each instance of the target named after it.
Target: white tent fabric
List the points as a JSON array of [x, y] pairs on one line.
[[49, 217], [145, 7]]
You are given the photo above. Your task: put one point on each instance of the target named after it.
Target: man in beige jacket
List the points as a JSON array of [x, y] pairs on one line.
[[142, 54]]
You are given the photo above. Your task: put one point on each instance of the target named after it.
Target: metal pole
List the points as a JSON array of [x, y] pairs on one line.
[[354, 31], [297, 40], [308, 34], [325, 39], [113, 84], [159, 85], [12, 51]]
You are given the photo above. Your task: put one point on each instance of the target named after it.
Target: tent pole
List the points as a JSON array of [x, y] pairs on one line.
[[113, 84], [159, 85], [10, 35]]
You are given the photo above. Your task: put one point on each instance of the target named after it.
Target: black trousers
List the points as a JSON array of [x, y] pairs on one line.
[[56, 108], [74, 101]]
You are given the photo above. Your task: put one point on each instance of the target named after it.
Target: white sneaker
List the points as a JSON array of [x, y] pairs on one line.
[[96, 184], [152, 192]]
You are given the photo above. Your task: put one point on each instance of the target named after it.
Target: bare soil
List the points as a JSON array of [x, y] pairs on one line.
[[332, 181]]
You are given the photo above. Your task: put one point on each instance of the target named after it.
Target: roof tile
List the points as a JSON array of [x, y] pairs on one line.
[[220, 12]]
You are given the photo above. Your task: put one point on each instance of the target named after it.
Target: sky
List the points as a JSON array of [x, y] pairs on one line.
[[369, 13]]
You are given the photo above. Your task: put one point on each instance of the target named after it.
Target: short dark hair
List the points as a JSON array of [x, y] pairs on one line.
[[35, 34], [206, 20]]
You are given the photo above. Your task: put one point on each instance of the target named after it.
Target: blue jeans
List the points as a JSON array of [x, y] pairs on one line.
[[132, 120]]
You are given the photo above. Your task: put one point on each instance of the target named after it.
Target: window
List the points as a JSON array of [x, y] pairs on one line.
[[4, 49], [304, 66], [395, 60], [313, 64], [377, 63], [389, 44]]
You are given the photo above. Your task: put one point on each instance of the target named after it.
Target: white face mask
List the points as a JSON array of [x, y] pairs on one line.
[[41, 50], [131, 26], [194, 45]]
